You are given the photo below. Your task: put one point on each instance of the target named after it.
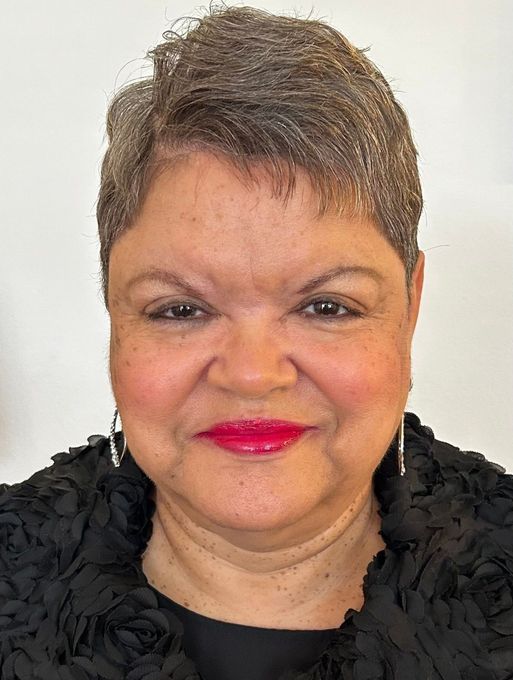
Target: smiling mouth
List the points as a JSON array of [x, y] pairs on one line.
[[254, 437]]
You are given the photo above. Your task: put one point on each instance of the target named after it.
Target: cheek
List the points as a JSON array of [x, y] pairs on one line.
[[147, 379], [362, 375]]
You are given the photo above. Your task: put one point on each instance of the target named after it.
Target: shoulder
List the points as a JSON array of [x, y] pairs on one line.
[[444, 479], [462, 489], [439, 468], [42, 523], [70, 537], [463, 505], [70, 506], [35, 512], [79, 467]]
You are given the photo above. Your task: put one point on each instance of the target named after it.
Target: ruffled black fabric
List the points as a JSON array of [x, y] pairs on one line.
[[76, 605]]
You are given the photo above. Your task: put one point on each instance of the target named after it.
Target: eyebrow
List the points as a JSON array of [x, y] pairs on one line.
[[166, 277], [172, 279], [339, 272]]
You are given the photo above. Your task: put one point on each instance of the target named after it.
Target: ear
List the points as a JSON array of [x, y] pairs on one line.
[[417, 283]]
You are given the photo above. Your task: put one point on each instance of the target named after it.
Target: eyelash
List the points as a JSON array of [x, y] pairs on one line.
[[159, 316]]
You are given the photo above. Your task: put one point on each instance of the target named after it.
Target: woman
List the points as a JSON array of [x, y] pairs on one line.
[[267, 510]]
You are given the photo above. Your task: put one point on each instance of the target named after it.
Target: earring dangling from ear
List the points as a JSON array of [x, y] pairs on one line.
[[400, 448], [116, 459]]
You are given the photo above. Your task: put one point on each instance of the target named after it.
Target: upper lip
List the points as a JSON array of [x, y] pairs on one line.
[[255, 426]]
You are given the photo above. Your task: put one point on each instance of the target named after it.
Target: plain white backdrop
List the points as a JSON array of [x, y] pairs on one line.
[[450, 64]]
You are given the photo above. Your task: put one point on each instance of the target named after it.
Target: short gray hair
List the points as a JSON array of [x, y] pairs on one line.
[[259, 88]]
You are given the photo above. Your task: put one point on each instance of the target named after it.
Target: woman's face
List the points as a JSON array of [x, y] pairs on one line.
[[211, 297]]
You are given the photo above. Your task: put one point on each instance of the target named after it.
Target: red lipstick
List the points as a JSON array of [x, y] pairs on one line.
[[256, 437]]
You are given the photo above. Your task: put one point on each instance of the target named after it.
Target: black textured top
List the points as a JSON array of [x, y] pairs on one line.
[[76, 605], [229, 651]]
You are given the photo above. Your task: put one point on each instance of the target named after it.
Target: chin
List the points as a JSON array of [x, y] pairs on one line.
[[240, 516]]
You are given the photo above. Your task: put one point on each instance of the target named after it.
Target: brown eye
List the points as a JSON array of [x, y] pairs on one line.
[[326, 307], [329, 309], [182, 311]]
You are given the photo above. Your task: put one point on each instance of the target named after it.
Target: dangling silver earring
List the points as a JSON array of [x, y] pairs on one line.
[[400, 448], [116, 459]]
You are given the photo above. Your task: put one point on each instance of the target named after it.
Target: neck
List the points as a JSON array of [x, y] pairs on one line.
[[252, 580]]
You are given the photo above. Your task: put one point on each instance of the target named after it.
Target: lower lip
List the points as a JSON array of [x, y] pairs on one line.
[[254, 444]]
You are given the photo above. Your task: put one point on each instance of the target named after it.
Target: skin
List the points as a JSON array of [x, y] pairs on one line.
[[277, 541]]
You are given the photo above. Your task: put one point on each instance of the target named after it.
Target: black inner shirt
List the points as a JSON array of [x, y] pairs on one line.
[[230, 651]]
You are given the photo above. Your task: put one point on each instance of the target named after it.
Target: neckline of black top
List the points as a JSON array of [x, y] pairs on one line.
[[223, 650]]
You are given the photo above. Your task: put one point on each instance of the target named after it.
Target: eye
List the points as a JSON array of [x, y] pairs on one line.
[[177, 312], [328, 309]]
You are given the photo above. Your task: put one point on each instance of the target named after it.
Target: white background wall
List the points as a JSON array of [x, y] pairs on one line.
[[450, 63]]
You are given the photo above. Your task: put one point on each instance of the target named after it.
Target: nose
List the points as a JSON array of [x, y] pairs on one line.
[[252, 362]]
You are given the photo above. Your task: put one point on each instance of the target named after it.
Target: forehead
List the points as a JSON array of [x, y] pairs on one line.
[[202, 180], [203, 215]]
